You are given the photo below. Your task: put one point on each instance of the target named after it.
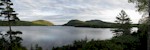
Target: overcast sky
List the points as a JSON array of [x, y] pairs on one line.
[[61, 11]]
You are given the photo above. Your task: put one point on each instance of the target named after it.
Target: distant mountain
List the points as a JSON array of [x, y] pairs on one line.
[[74, 23], [91, 23], [27, 23], [43, 22]]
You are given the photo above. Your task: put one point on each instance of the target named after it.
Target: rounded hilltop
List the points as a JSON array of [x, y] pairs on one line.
[[43, 22]]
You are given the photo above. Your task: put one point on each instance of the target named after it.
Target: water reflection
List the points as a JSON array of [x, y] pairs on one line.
[[49, 36]]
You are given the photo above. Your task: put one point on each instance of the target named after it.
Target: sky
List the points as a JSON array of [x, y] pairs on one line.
[[61, 11]]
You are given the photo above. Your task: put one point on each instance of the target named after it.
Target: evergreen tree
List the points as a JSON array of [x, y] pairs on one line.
[[8, 12], [14, 41], [124, 23]]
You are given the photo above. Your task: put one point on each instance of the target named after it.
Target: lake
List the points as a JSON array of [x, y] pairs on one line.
[[49, 36]]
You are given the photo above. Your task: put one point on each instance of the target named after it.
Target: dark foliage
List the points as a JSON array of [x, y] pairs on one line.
[[125, 42]]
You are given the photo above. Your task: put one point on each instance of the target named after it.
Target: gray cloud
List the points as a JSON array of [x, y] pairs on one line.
[[61, 11]]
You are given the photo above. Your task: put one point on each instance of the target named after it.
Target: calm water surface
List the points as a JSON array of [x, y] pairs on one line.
[[49, 36]]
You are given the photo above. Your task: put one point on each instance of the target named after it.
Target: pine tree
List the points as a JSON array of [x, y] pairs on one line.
[[8, 12], [124, 23], [14, 42]]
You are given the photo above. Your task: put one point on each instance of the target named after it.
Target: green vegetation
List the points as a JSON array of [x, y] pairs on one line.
[[93, 24], [124, 23], [141, 5], [36, 47], [134, 41], [10, 41], [124, 41], [43, 22], [26, 23], [7, 11]]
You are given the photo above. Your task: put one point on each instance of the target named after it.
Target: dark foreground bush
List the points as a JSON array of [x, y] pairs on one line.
[[124, 42]]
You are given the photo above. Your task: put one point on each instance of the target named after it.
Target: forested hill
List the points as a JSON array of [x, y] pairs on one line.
[[43, 22], [91, 23], [27, 23]]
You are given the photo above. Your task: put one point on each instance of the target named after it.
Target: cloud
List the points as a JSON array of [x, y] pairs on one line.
[[61, 11]]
